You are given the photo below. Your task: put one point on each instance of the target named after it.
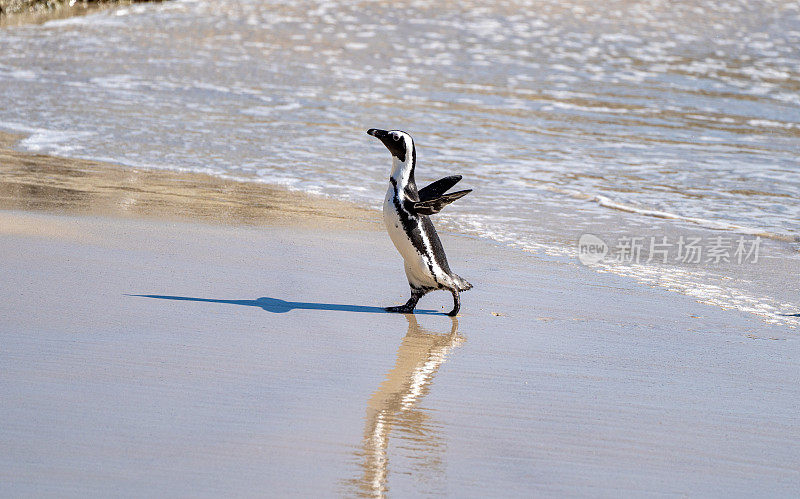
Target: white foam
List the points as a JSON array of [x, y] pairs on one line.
[[591, 109], [703, 222], [607, 202], [773, 124], [270, 110], [118, 81], [210, 86], [700, 285], [21, 74], [56, 142], [96, 19]]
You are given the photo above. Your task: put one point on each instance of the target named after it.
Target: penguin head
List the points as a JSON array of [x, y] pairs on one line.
[[399, 143]]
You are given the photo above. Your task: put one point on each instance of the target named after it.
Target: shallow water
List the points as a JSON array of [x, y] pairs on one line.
[[565, 119]]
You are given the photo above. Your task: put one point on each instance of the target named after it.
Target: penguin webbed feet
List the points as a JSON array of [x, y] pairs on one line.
[[456, 304], [408, 308], [411, 304], [400, 309]]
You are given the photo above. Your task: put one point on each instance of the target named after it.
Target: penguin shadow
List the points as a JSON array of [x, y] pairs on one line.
[[278, 306], [393, 412]]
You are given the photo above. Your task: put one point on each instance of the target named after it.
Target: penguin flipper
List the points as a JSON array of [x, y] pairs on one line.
[[432, 206], [436, 189]]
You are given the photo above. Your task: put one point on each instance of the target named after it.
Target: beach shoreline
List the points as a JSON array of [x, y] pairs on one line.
[[542, 179], [161, 336], [41, 182], [55, 184]]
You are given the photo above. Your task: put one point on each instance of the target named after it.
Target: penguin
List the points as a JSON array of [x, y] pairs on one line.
[[406, 213]]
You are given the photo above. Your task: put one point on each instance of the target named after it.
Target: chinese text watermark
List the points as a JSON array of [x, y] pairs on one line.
[[661, 249]]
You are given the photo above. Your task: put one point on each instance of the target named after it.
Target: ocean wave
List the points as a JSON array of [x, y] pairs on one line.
[[42, 140], [607, 202]]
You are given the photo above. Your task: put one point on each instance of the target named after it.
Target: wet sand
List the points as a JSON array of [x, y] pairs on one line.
[[40, 182], [207, 341]]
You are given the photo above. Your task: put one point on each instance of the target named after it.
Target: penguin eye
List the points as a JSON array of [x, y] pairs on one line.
[[396, 137]]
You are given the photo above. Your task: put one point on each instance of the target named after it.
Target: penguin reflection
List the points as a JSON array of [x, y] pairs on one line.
[[393, 405]]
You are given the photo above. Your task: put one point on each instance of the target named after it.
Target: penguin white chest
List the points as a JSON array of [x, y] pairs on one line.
[[418, 269], [396, 230]]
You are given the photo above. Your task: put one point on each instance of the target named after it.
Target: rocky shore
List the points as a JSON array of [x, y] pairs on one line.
[[26, 11]]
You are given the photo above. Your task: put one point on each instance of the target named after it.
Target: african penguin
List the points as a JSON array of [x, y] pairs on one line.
[[405, 213]]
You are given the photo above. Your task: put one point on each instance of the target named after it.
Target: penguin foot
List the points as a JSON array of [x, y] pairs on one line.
[[400, 309], [456, 304], [409, 306]]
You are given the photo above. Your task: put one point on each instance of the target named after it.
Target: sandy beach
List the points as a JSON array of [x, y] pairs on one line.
[[194, 266], [224, 338]]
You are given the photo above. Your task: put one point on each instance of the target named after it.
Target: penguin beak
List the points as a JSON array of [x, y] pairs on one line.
[[396, 147], [380, 134]]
